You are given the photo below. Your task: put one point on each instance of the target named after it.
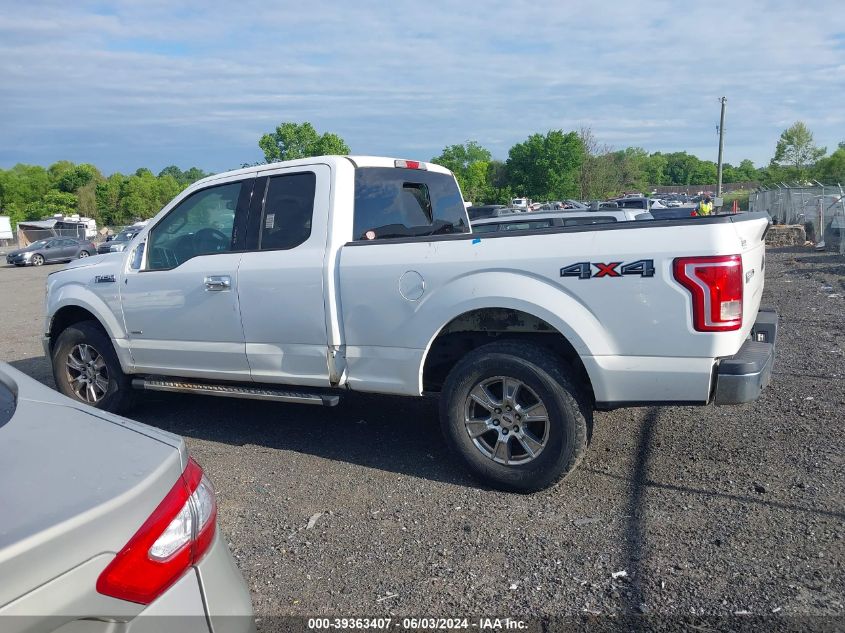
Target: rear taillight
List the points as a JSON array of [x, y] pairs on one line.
[[715, 284], [177, 534]]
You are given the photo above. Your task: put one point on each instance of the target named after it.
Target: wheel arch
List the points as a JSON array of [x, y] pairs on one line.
[[475, 327], [73, 304]]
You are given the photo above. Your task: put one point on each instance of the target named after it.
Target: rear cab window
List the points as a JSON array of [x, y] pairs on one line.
[[401, 203]]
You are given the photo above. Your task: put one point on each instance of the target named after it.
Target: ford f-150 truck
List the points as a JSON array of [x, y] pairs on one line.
[[297, 281]]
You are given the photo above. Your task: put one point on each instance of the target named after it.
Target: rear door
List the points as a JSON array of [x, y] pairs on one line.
[[280, 277], [180, 298], [55, 249]]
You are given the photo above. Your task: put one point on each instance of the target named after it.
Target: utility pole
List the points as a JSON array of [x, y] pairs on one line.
[[723, 100]]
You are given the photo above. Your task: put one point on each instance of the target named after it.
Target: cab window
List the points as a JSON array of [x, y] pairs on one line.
[[393, 202], [202, 224], [288, 211]]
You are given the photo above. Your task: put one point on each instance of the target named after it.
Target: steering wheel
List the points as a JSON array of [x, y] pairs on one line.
[[210, 240]]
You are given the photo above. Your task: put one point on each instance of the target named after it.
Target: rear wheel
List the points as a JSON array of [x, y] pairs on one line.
[[83, 254], [86, 368], [37, 259], [515, 415]]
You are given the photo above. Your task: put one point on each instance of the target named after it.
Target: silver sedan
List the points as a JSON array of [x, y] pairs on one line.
[[53, 249], [105, 523]]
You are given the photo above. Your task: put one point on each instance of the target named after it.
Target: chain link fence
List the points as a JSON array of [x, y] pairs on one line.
[[820, 209]]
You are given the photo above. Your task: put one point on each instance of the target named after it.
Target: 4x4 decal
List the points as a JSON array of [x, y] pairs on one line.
[[584, 270]]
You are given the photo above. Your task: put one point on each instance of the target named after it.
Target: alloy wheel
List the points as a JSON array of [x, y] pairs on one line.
[[506, 420], [87, 373]]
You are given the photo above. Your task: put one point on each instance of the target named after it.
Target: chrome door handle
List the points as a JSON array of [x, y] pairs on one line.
[[216, 283]]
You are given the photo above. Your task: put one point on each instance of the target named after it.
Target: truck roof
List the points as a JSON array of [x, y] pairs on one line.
[[357, 161]]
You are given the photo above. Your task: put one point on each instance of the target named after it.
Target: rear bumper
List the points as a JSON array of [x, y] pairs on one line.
[[225, 594], [743, 376], [210, 598]]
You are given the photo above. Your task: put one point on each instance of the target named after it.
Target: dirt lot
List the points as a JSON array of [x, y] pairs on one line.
[[709, 511]]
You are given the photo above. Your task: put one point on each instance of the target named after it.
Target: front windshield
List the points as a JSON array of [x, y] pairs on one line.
[[39, 244], [124, 236]]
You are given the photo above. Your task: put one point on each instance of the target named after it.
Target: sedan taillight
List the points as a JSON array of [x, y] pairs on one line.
[[715, 284], [175, 536]]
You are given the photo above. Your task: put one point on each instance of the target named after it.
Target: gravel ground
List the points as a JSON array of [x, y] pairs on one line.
[[359, 510]]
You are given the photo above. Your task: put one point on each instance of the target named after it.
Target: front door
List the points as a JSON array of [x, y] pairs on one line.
[[180, 297], [281, 277]]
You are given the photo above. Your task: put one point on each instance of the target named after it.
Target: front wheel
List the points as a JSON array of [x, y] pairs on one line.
[[37, 259], [86, 368], [515, 415]]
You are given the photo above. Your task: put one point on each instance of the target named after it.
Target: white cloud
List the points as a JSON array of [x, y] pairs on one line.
[[125, 84]]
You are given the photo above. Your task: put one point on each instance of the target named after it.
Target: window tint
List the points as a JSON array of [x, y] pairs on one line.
[[202, 224], [406, 203], [288, 211]]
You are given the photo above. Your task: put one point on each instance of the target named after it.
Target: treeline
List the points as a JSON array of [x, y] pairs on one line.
[[559, 165], [551, 166], [32, 192]]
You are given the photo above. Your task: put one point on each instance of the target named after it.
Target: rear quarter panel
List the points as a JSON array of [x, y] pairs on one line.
[[387, 335]]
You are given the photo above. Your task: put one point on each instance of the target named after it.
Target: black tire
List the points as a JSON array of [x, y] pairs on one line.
[[37, 259], [118, 394], [552, 381], [83, 254]]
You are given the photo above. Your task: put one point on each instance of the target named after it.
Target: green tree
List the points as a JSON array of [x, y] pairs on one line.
[[183, 177], [54, 202], [469, 162], [299, 140], [59, 169], [546, 167], [78, 176], [831, 170], [87, 201], [458, 158], [797, 150], [705, 173], [20, 188], [746, 171], [107, 195], [655, 169], [680, 168]]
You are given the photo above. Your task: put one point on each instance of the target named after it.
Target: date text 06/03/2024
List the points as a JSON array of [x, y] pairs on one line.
[[417, 623]]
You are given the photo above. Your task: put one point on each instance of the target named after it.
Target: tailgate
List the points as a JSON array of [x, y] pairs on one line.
[[75, 483], [751, 231]]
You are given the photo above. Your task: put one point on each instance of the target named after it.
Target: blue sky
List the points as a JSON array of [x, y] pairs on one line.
[[127, 84]]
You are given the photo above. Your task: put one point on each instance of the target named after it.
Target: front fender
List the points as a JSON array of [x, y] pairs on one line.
[[102, 302]]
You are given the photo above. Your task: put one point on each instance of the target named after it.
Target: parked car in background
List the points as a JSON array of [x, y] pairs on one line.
[[105, 522], [545, 220], [53, 249], [521, 203], [121, 240]]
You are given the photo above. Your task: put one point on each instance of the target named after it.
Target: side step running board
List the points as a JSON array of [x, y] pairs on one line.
[[236, 391]]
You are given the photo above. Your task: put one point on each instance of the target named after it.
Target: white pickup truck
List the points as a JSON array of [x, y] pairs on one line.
[[301, 280]]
